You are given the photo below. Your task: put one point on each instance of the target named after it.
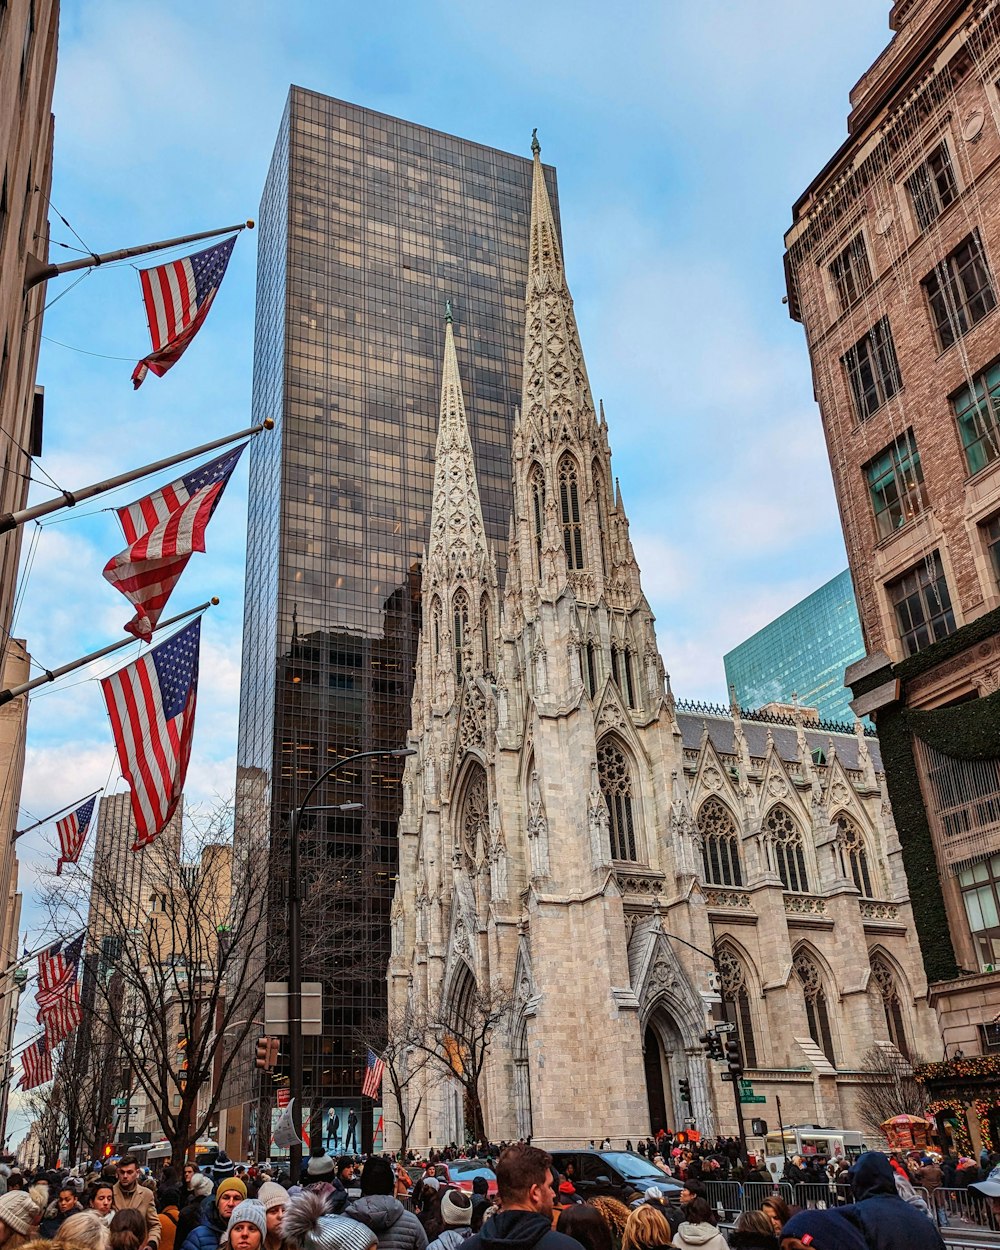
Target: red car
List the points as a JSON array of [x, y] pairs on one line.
[[462, 1172]]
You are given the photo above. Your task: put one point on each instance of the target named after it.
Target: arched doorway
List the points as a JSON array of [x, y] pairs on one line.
[[665, 1064]]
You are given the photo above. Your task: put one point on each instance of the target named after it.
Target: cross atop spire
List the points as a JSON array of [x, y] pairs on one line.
[[536, 147]]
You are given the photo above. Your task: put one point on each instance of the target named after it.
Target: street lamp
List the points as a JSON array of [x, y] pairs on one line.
[[295, 946]]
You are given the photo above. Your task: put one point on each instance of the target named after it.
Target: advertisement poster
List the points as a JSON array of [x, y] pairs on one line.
[[341, 1130]]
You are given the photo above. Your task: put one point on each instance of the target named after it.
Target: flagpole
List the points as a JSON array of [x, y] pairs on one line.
[[19, 833], [37, 270], [52, 674], [70, 498]]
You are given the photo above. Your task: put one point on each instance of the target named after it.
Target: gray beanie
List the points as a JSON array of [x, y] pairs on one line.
[[271, 1194], [249, 1211]]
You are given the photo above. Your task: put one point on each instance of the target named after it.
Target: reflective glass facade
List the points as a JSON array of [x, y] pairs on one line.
[[803, 652], [367, 225]]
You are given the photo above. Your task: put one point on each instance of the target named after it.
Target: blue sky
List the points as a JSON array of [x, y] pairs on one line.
[[682, 134]]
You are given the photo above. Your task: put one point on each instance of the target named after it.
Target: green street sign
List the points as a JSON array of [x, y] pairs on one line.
[[119, 1102], [745, 1086], [752, 1098]]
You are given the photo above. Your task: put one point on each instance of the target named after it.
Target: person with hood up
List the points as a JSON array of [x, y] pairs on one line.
[[394, 1226], [524, 1186], [885, 1219], [456, 1215], [697, 1230], [214, 1218], [190, 1214]]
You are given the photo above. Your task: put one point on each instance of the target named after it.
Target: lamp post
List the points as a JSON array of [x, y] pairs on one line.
[[295, 947], [736, 1088]]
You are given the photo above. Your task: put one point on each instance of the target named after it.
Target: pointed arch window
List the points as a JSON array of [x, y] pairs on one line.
[[817, 1014], [600, 494], [887, 990], [615, 779], [789, 852], [720, 843], [485, 636], [853, 856], [460, 630], [616, 665], [736, 1002], [590, 667], [475, 826], [536, 490], [630, 677], [569, 506], [436, 625]]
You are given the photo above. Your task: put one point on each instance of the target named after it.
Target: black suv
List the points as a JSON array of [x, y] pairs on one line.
[[620, 1174]]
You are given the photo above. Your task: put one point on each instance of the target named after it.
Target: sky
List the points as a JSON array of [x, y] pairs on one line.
[[682, 134]]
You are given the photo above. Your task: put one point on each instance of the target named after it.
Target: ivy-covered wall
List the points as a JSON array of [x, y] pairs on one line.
[[966, 731]]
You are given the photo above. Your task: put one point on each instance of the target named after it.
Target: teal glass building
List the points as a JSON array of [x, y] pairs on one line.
[[802, 652]]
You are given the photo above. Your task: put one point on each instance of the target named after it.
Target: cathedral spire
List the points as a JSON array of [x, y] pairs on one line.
[[459, 588]]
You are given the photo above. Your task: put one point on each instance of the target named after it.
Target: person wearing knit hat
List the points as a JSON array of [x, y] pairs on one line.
[[223, 1167], [821, 1230], [456, 1211], [321, 1167], [274, 1198], [18, 1216], [247, 1226], [308, 1226], [214, 1216], [394, 1226]]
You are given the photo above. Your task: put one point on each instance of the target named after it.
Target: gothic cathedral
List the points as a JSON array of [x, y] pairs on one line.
[[620, 867]]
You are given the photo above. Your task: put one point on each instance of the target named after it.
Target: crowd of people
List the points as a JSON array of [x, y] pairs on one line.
[[346, 1205]]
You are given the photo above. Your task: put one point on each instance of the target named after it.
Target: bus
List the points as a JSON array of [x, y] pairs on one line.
[[811, 1139], [157, 1156]]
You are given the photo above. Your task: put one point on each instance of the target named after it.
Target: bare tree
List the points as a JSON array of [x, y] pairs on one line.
[[458, 1041], [890, 1088], [46, 1107], [392, 1037], [175, 953]]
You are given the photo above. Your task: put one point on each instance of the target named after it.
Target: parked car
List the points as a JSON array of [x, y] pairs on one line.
[[620, 1174], [462, 1172]]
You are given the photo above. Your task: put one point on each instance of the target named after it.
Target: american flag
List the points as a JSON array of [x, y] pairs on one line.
[[58, 994], [72, 830], [178, 296], [151, 704], [36, 1061], [162, 530], [371, 1086]]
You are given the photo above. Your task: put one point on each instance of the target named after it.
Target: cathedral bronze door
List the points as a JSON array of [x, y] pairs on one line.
[[653, 1058]]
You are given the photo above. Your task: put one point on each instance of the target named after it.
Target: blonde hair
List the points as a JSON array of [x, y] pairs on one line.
[[615, 1213], [646, 1226], [84, 1228]]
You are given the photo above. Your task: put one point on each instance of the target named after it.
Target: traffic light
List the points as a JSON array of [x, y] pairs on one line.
[[758, 1128], [263, 1050], [733, 1057], [713, 1045], [108, 1151], [685, 1087], [273, 1050]]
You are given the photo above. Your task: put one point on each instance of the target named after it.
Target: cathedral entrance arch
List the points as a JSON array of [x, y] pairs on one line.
[[665, 1064]]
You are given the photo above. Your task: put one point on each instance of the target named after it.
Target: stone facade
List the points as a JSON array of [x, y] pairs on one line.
[[573, 836]]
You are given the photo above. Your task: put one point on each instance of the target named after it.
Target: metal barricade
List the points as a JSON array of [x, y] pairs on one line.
[[727, 1194], [960, 1209], [815, 1195], [754, 1193]]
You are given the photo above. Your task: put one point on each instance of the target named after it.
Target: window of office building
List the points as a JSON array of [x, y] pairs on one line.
[[991, 536], [850, 272], [980, 885], [959, 291], [932, 186], [872, 369], [977, 411], [922, 605], [896, 485]]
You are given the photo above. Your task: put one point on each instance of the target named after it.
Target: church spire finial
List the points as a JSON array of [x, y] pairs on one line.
[[448, 317], [536, 147]]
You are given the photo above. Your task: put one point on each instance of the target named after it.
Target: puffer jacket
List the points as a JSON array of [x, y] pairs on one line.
[[210, 1229], [394, 1226]]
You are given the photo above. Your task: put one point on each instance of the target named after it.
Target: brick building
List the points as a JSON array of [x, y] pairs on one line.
[[28, 36], [893, 268]]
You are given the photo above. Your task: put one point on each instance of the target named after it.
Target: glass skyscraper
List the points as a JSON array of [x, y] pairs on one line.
[[368, 224], [802, 652]]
